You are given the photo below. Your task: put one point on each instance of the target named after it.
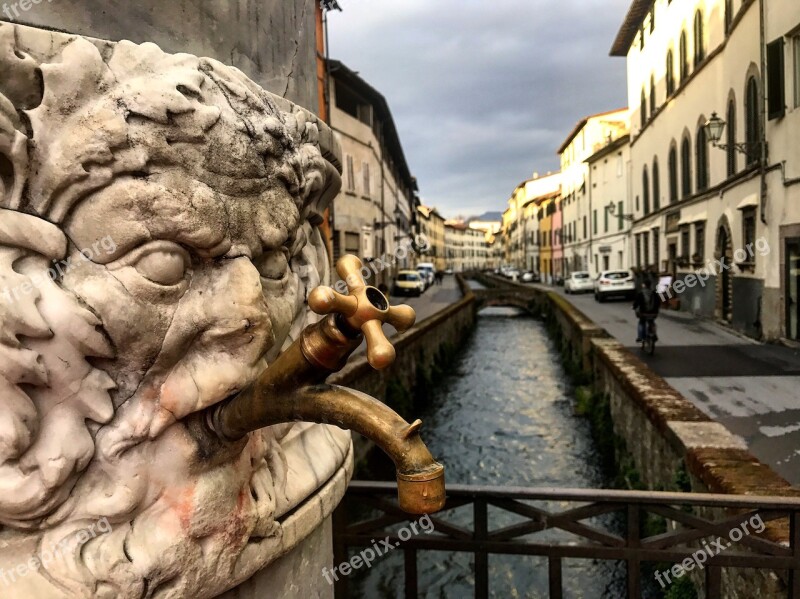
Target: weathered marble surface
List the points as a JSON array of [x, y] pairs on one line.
[[156, 249]]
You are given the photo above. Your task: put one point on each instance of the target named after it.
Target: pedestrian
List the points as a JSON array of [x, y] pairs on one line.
[[439, 277]]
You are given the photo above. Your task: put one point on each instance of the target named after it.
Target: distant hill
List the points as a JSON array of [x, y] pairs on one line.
[[488, 216]]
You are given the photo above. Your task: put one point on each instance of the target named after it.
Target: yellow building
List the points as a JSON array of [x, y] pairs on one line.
[[431, 225], [545, 240]]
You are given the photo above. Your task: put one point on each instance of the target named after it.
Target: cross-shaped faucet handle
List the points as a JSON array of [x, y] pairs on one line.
[[365, 308]]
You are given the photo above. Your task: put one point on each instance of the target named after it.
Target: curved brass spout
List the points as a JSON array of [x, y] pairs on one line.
[[292, 389]]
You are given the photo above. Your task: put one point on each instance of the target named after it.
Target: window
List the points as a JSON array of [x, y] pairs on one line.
[[351, 178], [643, 110], [699, 240], [646, 191], [796, 53], [686, 168], [652, 95], [594, 222], [728, 15], [605, 221], [656, 186], [585, 228], [656, 248], [702, 159], [776, 86], [646, 245], [673, 174], [731, 137], [749, 228], [670, 73], [684, 57], [686, 251], [620, 214], [639, 251], [752, 122], [365, 173], [699, 41]]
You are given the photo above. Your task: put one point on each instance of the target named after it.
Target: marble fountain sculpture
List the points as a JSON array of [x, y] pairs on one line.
[[158, 245]]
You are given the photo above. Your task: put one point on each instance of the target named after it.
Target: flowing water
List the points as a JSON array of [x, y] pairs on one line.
[[504, 416]]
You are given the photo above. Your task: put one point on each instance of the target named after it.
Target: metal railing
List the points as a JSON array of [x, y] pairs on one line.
[[688, 518]]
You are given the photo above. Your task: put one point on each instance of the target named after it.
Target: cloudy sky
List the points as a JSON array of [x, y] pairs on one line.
[[483, 91]]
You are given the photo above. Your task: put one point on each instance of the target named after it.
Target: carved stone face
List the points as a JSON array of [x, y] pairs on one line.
[[193, 194]]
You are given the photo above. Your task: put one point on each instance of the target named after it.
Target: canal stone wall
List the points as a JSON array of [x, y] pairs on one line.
[[673, 445]]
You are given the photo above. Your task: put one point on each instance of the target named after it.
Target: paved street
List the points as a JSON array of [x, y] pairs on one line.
[[750, 387]]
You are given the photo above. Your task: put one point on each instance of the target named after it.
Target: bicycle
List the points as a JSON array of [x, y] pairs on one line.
[[650, 337]]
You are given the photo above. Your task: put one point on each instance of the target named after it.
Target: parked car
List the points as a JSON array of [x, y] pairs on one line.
[[408, 282], [579, 282], [614, 283], [449, 271], [428, 272], [530, 277]]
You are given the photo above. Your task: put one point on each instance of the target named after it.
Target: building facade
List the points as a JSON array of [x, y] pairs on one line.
[[587, 137], [609, 207], [466, 248], [431, 227], [721, 218], [376, 208]]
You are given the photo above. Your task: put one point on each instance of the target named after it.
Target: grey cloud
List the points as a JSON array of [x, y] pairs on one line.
[[483, 93]]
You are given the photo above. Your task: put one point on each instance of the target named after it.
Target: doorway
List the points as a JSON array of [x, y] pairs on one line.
[[724, 282], [793, 288]]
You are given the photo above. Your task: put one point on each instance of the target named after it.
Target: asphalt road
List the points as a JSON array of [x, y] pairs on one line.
[[751, 388]]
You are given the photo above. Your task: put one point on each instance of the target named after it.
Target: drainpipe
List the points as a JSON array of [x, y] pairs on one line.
[[763, 141]]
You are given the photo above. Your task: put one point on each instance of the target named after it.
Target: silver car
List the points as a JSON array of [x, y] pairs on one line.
[[579, 282], [614, 283]]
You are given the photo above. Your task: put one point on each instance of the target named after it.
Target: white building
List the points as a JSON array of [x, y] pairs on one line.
[[587, 137], [609, 207], [519, 232], [465, 248], [693, 202], [376, 208]]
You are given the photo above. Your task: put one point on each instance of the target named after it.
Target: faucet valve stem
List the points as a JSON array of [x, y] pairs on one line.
[[365, 308]]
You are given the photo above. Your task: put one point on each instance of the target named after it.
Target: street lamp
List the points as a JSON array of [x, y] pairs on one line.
[[714, 128], [612, 209]]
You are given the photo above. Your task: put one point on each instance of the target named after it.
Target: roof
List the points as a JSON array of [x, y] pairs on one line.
[[581, 124], [341, 72], [631, 26], [542, 198], [609, 148]]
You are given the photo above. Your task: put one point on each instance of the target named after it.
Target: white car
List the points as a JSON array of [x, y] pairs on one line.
[[579, 282], [614, 283], [427, 272]]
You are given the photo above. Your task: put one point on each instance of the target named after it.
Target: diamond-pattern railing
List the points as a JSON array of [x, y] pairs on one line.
[[692, 521]]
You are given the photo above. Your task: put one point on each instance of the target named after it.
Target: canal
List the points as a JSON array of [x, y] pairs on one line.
[[504, 416]]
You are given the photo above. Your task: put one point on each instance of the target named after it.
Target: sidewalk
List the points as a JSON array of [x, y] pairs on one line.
[[751, 388]]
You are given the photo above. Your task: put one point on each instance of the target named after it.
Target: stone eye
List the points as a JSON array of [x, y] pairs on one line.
[[163, 266]]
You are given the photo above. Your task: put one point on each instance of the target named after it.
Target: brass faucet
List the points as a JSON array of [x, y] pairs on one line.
[[293, 387]]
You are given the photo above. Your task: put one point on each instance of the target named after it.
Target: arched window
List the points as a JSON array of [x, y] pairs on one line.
[[670, 73], [645, 191], [731, 137], [643, 109], [684, 57], [673, 174], [699, 41], [686, 167], [656, 186], [652, 95], [728, 15], [752, 122], [702, 159]]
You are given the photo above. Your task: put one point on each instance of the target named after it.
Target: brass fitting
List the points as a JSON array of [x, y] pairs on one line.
[[293, 389]]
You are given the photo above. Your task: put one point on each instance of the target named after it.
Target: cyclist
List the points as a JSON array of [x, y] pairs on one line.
[[647, 305]]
